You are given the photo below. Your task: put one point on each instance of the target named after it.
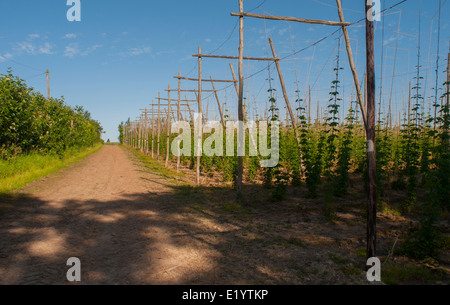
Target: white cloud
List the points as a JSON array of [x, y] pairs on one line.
[[388, 41], [26, 47], [33, 36], [70, 36], [5, 56], [46, 49], [165, 52], [138, 51], [208, 40], [91, 49], [71, 50]]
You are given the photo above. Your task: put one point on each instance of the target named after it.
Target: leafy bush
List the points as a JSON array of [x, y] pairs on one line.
[[31, 123]]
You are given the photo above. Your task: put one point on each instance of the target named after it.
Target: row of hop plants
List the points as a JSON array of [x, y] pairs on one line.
[[411, 157], [30, 123], [332, 150]]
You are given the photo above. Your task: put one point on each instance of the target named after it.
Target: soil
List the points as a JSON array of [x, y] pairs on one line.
[[131, 224]]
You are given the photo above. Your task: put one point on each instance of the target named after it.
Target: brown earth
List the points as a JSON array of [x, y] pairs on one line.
[[129, 224]]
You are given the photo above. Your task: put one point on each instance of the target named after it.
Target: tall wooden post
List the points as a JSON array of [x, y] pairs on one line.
[[309, 106], [448, 79], [240, 100], [199, 122], [371, 147], [409, 103], [178, 119], [140, 137], [48, 85], [317, 114], [146, 132], [159, 126], [190, 112], [153, 131], [236, 86], [218, 103], [169, 110]]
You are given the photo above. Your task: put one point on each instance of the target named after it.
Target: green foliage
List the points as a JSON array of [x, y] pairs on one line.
[[341, 182], [31, 123], [280, 184], [409, 273], [22, 169], [314, 164]]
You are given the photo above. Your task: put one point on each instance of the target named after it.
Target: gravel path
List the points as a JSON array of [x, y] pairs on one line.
[[118, 219]]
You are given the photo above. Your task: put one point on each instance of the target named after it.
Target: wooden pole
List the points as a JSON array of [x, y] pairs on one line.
[[234, 79], [409, 103], [146, 132], [159, 126], [235, 57], [207, 110], [206, 80], [178, 118], [309, 106], [448, 79], [168, 129], [185, 90], [371, 147], [153, 131], [352, 64], [218, 104], [190, 113], [323, 22], [139, 136], [48, 85], [200, 129], [196, 96], [317, 115], [240, 100]]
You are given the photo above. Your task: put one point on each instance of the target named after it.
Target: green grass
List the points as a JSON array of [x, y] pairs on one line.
[[24, 169], [231, 206], [409, 273], [157, 167], [346, 266]]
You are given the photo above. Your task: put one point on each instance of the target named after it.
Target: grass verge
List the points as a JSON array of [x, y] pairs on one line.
[[410, 273], [22, 170], [158, 167]]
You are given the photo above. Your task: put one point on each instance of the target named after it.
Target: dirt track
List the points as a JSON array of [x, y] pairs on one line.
[[111, 214], [129, 225]]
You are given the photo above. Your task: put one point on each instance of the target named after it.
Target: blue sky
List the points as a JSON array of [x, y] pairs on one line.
[[122, 53]]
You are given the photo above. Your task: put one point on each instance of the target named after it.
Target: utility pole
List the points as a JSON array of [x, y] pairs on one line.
[[448, 79], [178, 119], [169, 110], [371, 148], [309, 106], [146, 132], [199, 121], [159, 126], [48, 85], [240, 99]]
